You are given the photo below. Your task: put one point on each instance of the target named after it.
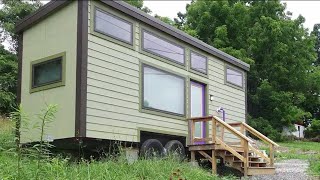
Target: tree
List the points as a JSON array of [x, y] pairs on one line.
[[139, 4], [8, 79], [316, 32], [280, 51], [11, 12]]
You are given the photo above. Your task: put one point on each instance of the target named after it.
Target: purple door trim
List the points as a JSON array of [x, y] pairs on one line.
[[203, 87]]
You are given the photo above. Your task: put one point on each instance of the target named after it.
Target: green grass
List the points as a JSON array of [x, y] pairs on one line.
[[116, 168], [57, 168], [299, 150]]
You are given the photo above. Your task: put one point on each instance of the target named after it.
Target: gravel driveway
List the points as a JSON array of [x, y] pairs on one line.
[[292, 169]]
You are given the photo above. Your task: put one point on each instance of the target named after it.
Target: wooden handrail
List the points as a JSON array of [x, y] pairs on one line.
[[201, 119], [230, 128], [245, 142], [258, 134]]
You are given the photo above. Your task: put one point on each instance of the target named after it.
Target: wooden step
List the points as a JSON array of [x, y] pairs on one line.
[[252, 163], [261, 171], [201, 147]]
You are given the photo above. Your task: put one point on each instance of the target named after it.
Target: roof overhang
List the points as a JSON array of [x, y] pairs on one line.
[[53, 6]]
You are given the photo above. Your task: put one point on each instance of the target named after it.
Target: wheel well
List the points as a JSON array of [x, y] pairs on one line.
[[163, 138]]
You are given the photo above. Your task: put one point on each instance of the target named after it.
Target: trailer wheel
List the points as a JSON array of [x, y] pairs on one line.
[[176, 149], [151, 148]]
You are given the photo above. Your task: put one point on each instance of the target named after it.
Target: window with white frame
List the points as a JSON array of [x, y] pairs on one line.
[[163, 91]]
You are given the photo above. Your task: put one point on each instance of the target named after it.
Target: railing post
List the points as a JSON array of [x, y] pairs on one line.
[[242, 132], [214, 130], [246, 158], [271, 149], [191, 134], [222, 132]]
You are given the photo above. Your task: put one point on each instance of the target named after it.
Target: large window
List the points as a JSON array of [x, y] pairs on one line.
[[163, 48], [113, 26], [234, 77], [198, 62], [163, 91], [47, 73]]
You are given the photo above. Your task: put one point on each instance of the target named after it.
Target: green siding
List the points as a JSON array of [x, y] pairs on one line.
[[45, 39], [113, 109]]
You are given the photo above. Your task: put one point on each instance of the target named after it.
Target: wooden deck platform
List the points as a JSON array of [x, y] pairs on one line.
[[241, 155]]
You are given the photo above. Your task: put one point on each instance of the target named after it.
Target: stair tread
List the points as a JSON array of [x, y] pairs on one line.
[[256, 162], [261, 167]]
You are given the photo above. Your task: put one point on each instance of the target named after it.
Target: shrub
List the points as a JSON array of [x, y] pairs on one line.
[[313, 131], [264, 126]]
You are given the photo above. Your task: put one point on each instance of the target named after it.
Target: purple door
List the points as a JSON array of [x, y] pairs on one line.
[[198, 107]]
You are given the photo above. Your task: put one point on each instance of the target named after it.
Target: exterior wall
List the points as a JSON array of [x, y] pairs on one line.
[[113, 110], [297, 133], [54, 35]]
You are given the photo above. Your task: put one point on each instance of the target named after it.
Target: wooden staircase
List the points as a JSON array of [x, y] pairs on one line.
[[240, 154]]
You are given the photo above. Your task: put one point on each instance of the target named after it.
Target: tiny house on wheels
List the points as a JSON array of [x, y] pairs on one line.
[[121, 75]]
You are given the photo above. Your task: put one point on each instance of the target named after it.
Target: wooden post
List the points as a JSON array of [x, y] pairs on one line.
[[191, 125], [246, 158], [214, 162], [242, 132], [222, 132], [193, 156], [271, 149], [214, 130]]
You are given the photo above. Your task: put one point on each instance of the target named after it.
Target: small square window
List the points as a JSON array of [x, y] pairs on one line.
[[198, 62], [234, 77], [47, 73]]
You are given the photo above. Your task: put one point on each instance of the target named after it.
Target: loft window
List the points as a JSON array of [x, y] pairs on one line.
[[163, 91], [47, 73], [198, 62], [161, 47], [115, 27], [234, 77]]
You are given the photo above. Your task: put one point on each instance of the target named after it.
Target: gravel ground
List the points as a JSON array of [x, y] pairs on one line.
[[292, 169]]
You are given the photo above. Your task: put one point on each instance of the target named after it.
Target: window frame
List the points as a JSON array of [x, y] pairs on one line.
[[231, 83], [160, 112], [49, 85], [96, 6], [161, 57], [207, 101], [195, 70]]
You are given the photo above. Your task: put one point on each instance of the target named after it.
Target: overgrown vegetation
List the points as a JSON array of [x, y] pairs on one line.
[[34, 162], [313, 132]]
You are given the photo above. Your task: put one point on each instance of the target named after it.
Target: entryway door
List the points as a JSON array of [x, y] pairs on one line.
[[198, 107]]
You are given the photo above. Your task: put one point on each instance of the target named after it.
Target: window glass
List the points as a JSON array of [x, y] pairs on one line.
[[163, 48], [198, 62], [163, 91], [47, 72], [234, 77], [113, 26]]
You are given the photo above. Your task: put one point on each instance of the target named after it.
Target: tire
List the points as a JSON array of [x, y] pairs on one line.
[[176, 149], [151, 148]]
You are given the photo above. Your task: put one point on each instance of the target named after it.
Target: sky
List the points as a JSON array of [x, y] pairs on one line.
[[308, 9]]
